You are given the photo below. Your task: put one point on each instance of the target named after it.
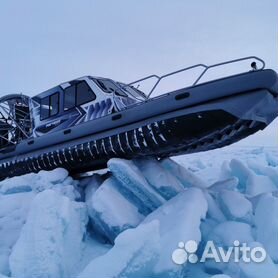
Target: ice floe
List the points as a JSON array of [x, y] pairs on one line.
[[130, 221]]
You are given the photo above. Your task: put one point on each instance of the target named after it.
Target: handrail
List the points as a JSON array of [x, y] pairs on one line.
[[206, 68]]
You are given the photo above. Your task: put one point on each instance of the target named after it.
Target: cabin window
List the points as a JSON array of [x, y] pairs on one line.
[[84, 93], [109, 86], [69, 98], [49, 106], [77, 95], [101, 85], [54, 105], [44, 108]]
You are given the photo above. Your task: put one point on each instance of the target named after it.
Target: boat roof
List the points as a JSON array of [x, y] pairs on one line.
[[58, 87]]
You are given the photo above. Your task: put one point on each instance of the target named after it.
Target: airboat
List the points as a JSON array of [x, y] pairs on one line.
[[81, 124]]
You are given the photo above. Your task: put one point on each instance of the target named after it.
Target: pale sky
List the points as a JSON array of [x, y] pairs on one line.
[[44, 43]]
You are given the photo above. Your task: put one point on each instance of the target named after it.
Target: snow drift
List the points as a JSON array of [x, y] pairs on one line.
[[128, 222]]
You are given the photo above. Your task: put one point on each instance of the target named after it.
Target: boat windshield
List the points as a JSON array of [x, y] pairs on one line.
[[108, 86], [134, 92]]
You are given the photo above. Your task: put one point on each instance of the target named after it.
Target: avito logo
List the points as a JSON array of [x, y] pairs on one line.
[[186, 252]]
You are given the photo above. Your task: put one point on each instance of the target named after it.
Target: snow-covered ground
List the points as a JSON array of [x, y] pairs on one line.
[[136, 220]]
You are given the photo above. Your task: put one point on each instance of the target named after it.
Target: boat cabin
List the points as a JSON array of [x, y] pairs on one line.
[[80, 100]]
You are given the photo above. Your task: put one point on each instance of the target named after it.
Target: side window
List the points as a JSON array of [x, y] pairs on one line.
[[84, 93], [69, 97], [54, 104], [78, 94], [49, 106], [44, 108]]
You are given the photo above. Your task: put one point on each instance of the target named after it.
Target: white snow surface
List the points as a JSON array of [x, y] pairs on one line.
[[129, 221]]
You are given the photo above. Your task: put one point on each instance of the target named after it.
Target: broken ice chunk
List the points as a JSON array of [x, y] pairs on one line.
[[134, 186], [161, 180], [110, 212]]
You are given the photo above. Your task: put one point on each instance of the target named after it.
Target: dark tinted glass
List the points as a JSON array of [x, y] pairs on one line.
[[54, 104], [69, 97], [103, 87], [84, 93], [113, 88], [44, 108]]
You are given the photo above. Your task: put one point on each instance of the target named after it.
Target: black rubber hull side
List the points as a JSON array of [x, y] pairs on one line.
[[185, 134]]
